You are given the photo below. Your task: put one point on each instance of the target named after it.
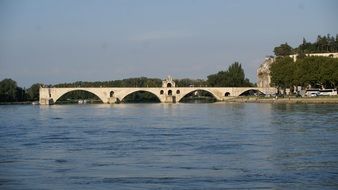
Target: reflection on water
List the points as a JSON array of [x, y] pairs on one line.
[[169, 146]]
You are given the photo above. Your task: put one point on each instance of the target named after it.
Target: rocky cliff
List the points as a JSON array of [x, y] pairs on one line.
[[263, 73]]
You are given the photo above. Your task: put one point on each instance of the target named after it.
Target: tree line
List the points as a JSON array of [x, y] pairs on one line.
[[232, 77], [11, 92], [314, 71], [130, 82], [323, 44]]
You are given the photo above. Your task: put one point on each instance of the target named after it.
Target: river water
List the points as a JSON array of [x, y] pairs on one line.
[[169, 146]]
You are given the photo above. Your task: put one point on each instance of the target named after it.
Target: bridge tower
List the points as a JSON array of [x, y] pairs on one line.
[[168, 84]]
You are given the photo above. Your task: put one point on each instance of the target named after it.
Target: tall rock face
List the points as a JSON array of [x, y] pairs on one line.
[[263, 73]]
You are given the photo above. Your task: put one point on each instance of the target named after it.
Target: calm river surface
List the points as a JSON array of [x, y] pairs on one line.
[[169, 146]]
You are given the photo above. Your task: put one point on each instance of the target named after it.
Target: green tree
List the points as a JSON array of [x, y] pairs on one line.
[[283, 50], [8, 90], [236, 76], [282, 72], [20, 94], [323, 44], [233, 77], [314, 71], [33, 92], [188, 82]]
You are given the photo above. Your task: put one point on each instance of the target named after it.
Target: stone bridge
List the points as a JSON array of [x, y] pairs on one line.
[[168, 93], [164, 94]]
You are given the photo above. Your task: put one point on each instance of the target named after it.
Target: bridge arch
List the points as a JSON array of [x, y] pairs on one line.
[[250, 92], [121, 98], [60, 95], [184, 94]]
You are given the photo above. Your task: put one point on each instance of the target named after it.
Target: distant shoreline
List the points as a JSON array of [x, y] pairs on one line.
[[16, 103], [286, 100]]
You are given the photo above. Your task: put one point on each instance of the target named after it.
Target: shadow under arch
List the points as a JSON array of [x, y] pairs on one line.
[[252, 92], [140, 96], [78, 96], [199, 96]]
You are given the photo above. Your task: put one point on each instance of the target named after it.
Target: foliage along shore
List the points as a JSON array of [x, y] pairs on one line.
[[17, 103], [307, 71]]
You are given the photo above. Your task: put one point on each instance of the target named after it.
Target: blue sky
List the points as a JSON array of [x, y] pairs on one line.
[[54, 41]]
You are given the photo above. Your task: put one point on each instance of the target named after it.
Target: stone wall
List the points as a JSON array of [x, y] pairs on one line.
[[333, 55]]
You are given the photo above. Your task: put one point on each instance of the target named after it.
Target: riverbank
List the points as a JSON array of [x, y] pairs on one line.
[[245, 99], [286, 100], [16, 103]]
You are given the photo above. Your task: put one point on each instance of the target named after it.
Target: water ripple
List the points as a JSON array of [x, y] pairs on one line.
[[181, 146]]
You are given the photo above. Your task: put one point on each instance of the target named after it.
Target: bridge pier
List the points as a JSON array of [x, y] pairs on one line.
[[113, 100], [169, 99], [46, 101], [45, 96]]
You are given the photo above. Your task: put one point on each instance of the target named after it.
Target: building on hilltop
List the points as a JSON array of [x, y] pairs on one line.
[[263, 72], [333, 55]]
